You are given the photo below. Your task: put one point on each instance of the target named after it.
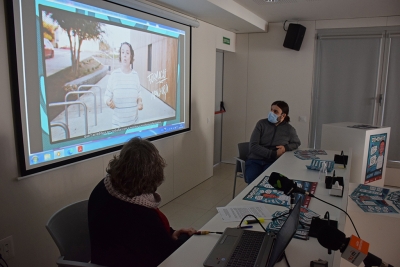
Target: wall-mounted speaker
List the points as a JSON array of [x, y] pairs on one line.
[[294, 36]]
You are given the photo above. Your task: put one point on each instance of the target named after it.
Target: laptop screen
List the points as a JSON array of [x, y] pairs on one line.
[[286, 233]]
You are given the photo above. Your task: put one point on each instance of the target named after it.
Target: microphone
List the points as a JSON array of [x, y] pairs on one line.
[[282, 183], [353, 249]]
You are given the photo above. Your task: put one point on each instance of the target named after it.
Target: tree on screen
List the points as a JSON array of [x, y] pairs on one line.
[[78, 30], [48, 31]]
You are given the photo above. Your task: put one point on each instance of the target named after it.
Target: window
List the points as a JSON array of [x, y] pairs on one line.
[[356, 81]]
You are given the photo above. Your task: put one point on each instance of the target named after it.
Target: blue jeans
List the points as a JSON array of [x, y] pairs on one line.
[[254, 167]]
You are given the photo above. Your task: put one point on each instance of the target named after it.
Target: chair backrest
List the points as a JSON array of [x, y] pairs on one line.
[[243, 153], [244, 150], [70, 231]]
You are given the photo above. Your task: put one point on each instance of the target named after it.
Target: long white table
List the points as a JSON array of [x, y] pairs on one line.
[[299, 252], [381, 231]]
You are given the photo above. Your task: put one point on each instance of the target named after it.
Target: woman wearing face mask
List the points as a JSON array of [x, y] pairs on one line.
[[270, 139]]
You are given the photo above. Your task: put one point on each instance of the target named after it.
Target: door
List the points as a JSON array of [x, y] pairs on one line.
[[219, 70]]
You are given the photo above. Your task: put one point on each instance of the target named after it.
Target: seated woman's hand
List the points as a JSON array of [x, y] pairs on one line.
[[189, 231]]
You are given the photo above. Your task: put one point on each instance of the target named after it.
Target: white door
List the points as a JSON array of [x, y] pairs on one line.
[[219, 70]]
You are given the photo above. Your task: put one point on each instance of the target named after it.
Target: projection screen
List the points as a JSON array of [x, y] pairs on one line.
[[88, 75]]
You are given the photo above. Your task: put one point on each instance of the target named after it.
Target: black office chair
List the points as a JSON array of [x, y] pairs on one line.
[[240, 163], [70, 231]]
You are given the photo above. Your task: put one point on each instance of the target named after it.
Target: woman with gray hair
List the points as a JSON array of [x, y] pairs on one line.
[[126, 227]]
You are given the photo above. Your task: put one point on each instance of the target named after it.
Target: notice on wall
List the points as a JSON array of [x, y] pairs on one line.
[[376, 156]]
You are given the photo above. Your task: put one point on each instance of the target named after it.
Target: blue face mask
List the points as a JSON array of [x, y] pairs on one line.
[[272, 117]]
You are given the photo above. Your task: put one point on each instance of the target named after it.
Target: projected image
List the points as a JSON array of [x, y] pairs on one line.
[[91, 75], [103, 77]]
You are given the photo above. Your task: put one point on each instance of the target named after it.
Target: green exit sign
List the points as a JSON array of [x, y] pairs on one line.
[[226, 40]]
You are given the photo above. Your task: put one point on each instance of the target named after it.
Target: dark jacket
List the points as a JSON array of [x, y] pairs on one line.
[[266, 136], [126, 234]]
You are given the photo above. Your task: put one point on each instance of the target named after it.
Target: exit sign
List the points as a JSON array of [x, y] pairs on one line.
[[226, 40]]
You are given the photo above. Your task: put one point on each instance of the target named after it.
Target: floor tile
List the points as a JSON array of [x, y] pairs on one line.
[[197, 206], [198, 224], [186, 217], [207, 200], [224, 201], [171, 208], [189, 196]]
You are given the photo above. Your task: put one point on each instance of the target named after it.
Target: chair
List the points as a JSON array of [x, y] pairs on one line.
[[70, 231], [240, 163]]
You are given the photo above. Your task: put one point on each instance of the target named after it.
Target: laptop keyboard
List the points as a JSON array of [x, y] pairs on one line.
[[247, 250]]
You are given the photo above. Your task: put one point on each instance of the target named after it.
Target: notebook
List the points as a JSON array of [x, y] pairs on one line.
[[238, 247]]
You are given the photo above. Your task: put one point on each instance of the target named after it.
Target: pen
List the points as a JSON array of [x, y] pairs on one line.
[[261, 220]]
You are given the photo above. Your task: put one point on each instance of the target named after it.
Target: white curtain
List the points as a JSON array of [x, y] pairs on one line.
[[391, 114], [357, 79], [346, 81]]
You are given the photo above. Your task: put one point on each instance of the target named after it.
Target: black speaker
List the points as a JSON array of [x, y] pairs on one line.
[[294, 36]]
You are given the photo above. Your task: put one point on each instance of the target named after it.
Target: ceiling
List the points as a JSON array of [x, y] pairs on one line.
[[235, 15]]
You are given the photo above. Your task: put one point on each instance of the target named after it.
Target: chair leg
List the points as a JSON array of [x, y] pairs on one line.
[[234, 185]]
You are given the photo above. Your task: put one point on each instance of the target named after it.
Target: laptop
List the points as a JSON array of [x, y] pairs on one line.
[[238, 247]]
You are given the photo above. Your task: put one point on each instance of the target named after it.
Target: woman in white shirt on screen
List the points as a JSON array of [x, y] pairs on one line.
[[123, 93]]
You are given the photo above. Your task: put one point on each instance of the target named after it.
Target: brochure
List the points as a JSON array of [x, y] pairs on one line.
[[309, 154], [373, 199], [265, 193]]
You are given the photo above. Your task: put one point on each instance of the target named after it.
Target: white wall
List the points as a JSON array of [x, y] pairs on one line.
[[392, 177], [26, 205], [262, 71]]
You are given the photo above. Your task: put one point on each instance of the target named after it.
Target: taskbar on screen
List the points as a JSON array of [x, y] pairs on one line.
[[64, 152]]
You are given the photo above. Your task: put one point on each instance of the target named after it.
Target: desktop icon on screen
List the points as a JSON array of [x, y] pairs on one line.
[[58, 154], [47, 157], [70, 151], [80, 148], [35, 159]]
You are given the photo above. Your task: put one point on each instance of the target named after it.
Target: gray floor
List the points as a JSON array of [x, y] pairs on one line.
[[198, 206]]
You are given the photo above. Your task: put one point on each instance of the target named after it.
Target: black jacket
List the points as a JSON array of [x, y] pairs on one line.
[[126, 234]]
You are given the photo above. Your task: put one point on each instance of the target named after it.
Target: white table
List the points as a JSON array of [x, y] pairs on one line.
[[299, 252], [381, 231]]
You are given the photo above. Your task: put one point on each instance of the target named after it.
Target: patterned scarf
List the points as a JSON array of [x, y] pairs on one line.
[[146, 200]]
